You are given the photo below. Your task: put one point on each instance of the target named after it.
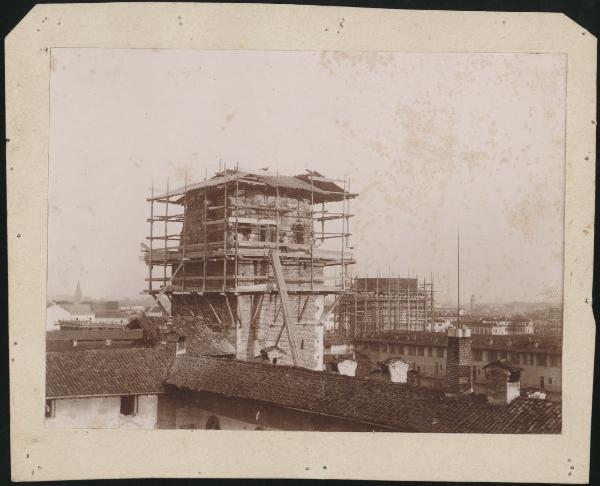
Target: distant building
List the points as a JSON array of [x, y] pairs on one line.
[[54, 314], [80, 312], [520, 326], [57, 312], [115, 316], [440, 325], [500, 326], [490, 328], [555, 314], [78, 297], [539, 356]]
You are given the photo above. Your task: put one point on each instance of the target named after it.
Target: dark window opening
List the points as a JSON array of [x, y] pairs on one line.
[[298, 229], [213, 423], [549, 381], [274, 361], [128, 405], [302, 344], [542, 382]]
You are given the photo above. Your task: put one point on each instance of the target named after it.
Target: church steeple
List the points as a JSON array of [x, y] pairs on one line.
[[78, 294]]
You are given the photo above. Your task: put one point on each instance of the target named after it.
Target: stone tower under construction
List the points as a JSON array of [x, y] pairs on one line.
[[255, 254]]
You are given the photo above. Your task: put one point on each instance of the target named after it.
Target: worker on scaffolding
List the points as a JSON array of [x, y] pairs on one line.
[[298, 230]]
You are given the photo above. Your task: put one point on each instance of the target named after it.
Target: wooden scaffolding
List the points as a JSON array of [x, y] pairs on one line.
[[217, 236], [384, 304]]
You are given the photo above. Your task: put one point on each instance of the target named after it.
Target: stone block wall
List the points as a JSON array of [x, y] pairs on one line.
[[252, 203], [261, 321], [257, 323]]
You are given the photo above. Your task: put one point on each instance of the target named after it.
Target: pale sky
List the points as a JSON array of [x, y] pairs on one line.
[[432, 142]]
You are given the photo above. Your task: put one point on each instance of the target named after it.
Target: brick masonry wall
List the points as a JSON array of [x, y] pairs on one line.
[[459, 378]]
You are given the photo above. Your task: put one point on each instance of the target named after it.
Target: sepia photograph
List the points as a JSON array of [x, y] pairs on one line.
[[367, 234], [305, 240]]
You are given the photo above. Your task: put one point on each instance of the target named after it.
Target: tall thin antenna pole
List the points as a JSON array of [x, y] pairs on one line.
[[458, 279]]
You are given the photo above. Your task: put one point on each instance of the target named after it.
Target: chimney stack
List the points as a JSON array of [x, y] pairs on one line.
[[459, 362], [398, 369], [503, 382], [347, 367]]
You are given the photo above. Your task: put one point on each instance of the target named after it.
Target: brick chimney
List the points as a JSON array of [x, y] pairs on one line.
[[459, 362], [503, 382]]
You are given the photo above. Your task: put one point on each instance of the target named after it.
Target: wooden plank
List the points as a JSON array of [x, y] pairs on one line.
[[324, 179], [213, 310], [257, 309], [281, 286], [233, 320], [162, 307], [277, 310], [301, 313], [253, 221], [327, 312]]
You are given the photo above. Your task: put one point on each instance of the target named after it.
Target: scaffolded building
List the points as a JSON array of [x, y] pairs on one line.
[[254, 253], [389, 304]]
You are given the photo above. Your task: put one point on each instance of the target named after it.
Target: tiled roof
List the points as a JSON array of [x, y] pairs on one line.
[[391, 361], [95, 335], [88, 325], [504, 364], [78, 309], [398, 406], [106, 372], [110, 314], [292, 183], [517, 343]]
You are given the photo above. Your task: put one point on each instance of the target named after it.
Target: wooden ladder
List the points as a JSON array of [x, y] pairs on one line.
[[288, 323]]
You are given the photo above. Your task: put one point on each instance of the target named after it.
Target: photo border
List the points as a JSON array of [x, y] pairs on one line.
[[39, 453]]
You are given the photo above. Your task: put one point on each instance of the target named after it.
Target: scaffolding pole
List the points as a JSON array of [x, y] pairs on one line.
[[237, 203], [204, 229], [166, 233], [184, 232], [151, 239]]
